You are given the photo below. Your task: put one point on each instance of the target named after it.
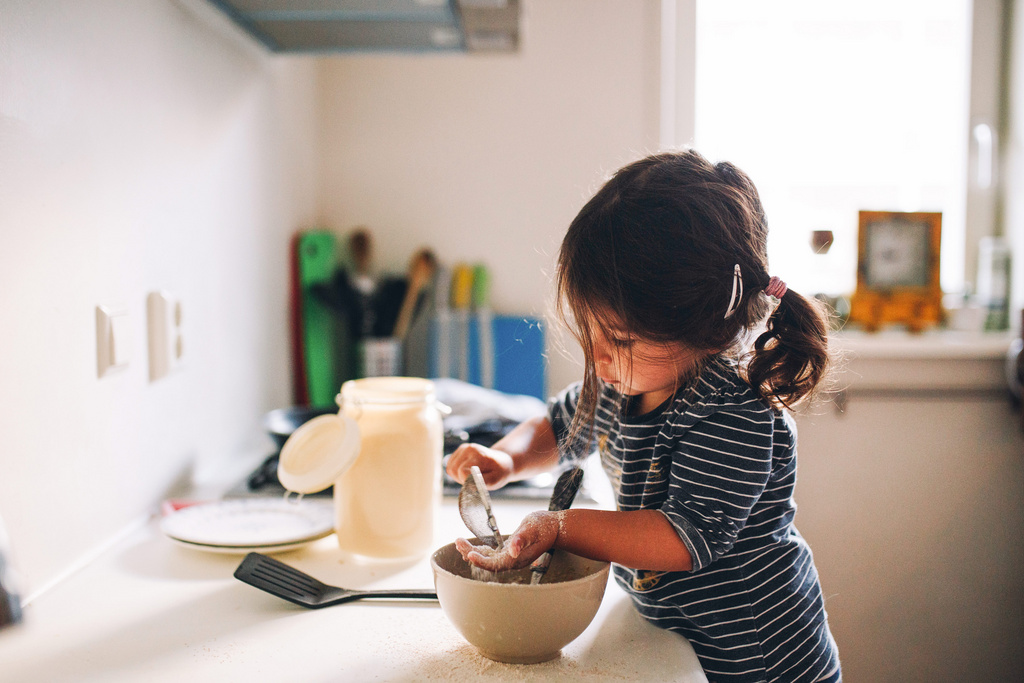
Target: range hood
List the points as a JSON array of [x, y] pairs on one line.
[[331, 26]]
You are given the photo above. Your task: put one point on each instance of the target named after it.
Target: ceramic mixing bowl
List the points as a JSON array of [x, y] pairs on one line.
[[517, 622]]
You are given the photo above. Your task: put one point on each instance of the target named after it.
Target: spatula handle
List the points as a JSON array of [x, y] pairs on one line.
[[565, 490], [398, 594]]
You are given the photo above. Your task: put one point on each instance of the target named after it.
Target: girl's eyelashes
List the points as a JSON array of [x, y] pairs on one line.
[[621, 342]]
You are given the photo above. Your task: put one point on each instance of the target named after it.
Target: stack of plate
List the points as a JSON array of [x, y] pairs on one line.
[[250, 524]]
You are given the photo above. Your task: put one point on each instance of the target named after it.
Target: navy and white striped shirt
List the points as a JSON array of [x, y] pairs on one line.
[[720, 464]]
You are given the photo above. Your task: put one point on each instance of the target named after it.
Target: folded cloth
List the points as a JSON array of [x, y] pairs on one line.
[[473, 405]]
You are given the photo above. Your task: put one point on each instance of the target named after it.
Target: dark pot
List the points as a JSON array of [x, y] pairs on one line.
[[282, 422]]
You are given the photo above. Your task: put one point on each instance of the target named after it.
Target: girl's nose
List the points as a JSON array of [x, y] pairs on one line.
[[602, 355]]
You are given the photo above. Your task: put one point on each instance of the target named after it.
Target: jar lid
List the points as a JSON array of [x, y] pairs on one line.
[[386, 391], [318, 452]]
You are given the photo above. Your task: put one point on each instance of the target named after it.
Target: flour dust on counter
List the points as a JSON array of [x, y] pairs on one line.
[[461, 662]]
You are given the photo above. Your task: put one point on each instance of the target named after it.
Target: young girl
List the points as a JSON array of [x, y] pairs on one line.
[[662, 277]]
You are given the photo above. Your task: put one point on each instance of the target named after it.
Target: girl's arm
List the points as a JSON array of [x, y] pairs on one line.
[[640, 539], [526, 451]]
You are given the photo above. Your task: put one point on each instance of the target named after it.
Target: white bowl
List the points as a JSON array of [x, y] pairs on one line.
[[517, 622]]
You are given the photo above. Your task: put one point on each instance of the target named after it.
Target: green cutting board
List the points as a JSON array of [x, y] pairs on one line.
[[317, 263]]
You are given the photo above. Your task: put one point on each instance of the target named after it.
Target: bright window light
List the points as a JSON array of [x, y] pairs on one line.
[[833, 107]]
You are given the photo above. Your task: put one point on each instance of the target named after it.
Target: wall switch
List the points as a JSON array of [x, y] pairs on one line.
[[166, 342], [113, 340]]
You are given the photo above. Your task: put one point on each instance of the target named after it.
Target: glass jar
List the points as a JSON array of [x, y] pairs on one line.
[[387, 501]]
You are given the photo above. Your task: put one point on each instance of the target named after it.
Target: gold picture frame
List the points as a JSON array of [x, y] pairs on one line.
[[898, 255]]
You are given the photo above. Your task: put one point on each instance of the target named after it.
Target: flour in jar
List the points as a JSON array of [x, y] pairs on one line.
[[386, 503]]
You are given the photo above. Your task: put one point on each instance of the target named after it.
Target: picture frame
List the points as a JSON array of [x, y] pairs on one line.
[[898, 258]]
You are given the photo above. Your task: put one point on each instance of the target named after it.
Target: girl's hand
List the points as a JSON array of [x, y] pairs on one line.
[[495, 466], [536, 535]]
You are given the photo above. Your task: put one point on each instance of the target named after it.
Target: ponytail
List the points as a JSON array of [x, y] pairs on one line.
[[791, 357]]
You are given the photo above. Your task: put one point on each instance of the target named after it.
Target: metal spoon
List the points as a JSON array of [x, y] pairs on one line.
[[475, 509]]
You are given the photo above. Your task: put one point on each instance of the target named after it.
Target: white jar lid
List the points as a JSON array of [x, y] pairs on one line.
[[318, 452]]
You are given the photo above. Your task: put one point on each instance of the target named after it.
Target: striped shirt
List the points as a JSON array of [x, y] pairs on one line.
[[721, 466]]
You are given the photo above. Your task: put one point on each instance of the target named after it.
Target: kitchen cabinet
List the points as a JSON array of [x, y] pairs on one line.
[[911, 499], [378, 25]]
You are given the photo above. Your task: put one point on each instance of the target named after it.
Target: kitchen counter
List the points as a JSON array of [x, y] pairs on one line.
[[150, 610]]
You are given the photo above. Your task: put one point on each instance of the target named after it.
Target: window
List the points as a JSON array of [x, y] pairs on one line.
[[833, 107]]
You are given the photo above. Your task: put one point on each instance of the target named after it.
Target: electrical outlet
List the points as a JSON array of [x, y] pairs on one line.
[[166, 340], [113, 340]]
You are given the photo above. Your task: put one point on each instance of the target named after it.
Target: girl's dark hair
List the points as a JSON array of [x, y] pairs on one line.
[[655, 249]]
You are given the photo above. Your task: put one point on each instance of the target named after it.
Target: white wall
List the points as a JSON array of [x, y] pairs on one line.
[[488, 158], [1013, 226], [143, 145], [150, 145]]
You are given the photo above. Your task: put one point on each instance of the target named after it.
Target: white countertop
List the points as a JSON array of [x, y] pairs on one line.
[[150, 610]]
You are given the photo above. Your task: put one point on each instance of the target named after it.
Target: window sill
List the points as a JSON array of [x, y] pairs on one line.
[[937, 364], [937, 344]]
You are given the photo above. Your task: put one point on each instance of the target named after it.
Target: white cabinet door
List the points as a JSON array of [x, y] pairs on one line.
[[912, 500]]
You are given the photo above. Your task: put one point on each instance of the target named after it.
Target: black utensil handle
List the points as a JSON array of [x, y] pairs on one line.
[[565, 489], [401, 594]]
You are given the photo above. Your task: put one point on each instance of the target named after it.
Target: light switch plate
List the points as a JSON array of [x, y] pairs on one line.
[[166, 342], [113, 340]]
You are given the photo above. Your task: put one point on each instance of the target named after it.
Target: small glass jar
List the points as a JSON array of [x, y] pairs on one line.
[[387, 501]]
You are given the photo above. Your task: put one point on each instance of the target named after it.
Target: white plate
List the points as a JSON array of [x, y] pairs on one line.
[[250, 524], [244, 549]]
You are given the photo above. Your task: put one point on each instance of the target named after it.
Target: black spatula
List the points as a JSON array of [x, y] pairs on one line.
[[277, 578]]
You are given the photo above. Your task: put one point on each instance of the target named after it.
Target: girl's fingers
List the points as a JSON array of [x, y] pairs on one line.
[[494, 474], [493, 563], [495, 466], [464, 457], [524, 550], [484, 557], [463, 546], [523, 540], [457, 463], [533, 538]]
